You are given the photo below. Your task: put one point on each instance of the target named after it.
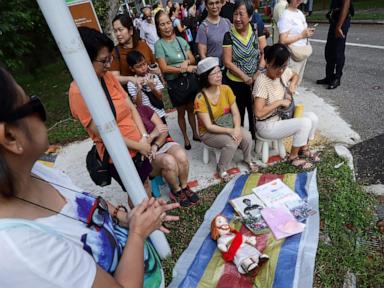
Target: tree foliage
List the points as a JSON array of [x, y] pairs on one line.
[[25, 39]]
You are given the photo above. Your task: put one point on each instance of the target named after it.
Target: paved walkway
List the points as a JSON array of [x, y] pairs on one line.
[[71, 159]]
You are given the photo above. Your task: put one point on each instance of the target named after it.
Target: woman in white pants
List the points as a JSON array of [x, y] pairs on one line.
[[273, 89]]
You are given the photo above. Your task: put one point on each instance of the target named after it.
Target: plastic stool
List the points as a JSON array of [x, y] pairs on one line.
[[155, 186], [262, 147], [206, 150]]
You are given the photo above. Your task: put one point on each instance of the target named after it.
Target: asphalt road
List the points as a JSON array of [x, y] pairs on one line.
[[360, 98]]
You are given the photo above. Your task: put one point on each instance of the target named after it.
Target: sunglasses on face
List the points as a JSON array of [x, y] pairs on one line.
[[98, 212], [33, 106]]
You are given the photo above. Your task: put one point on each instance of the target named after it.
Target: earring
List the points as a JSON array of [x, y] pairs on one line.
[[19, 148]]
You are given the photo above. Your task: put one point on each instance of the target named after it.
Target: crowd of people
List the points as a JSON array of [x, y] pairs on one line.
[[218, 50]]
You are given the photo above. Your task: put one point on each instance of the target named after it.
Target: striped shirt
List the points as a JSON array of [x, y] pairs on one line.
[[132, 90], [245, 51], [271, 89]]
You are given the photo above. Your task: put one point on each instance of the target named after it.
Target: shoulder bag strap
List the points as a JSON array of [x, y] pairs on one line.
[[105, 88], [182, 50], [208, 107]]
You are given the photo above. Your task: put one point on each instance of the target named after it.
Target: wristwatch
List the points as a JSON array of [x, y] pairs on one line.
[[146, 135]]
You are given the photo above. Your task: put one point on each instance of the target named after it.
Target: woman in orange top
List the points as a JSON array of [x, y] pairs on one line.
[[128, 39], [99, 48]]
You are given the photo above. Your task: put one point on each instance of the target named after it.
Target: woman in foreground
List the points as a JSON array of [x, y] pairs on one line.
[[52, 234]]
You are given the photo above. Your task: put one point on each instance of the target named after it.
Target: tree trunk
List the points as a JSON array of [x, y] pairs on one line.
[[113, 6]]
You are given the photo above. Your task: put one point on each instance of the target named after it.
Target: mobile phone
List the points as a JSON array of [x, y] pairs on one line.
[[315, 25]]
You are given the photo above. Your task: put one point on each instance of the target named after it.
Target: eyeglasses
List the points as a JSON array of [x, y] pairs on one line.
[[215, 73], [106, 61], [98, 212], [216, 3], [33, 106]]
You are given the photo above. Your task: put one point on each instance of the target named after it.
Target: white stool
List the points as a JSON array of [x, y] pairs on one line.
[[206, 150], [262, 147]]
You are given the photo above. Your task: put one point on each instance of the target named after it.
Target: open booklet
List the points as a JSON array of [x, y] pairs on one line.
[[249, 209], [278, 194]]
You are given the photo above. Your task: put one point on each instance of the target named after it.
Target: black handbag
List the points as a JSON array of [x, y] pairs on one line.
[[99, 170], [184, 88], [286, 112], [155, 102]]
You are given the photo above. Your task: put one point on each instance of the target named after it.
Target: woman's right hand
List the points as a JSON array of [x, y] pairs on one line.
[[184, 66], [248, 80], [149, 216], [191, 68]]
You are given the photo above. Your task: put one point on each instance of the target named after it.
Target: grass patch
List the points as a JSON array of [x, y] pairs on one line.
[[347, 217], [51, 84]]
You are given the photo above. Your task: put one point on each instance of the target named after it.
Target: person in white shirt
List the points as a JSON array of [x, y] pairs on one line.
[[148, 29], [52, 234], [277, 11], [294, 32]]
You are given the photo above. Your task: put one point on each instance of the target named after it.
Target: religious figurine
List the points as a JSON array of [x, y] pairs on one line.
[[236, 247]]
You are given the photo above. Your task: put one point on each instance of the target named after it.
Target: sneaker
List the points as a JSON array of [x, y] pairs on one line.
[[192, 196], [180, 197]]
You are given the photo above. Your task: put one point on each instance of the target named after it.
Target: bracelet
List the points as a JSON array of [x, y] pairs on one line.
[[117, 209], [262, 69]]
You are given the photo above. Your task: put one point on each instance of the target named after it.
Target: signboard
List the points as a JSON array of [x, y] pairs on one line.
[[84, 14]]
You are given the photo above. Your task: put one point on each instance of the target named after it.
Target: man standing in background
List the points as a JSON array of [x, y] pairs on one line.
[[339, 21], [148, 29], [279, 8]]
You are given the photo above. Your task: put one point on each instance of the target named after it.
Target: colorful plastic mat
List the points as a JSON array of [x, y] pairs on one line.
[[291, 262]]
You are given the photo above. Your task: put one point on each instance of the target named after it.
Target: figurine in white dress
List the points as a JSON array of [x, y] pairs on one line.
[[236, 247]]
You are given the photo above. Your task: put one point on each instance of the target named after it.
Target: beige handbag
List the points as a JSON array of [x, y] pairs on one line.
[[300, 53]]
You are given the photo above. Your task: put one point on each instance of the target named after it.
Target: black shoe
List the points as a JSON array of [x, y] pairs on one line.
[[197, 139], [192, 196], [180, 197], [324, 81], [334, 84], [187, 147]]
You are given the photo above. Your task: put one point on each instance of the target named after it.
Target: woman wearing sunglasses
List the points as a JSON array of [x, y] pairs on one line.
[[51, 233]]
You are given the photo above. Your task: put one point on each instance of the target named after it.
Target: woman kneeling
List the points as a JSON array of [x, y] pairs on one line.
[[274, 89]]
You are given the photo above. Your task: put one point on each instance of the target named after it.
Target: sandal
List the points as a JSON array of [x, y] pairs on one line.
[[252, 166], [300, 163], [225, 176], [313, 156]]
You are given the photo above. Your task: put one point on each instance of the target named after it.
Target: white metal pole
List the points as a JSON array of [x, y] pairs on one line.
[[68, 40]]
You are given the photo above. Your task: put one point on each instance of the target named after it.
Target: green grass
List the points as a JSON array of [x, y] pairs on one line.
[[51, 84], [342, 204]]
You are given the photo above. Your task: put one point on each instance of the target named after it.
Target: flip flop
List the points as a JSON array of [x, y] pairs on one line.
[[252, 166], [312, 156]]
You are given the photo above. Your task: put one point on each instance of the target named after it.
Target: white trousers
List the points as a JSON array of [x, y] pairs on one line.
[[302, 129]]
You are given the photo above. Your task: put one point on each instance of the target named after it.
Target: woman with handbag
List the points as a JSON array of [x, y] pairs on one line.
[[178, 66], [273, 90], [243, 58], [294, 33], [52, 233], [219, 117], [99, 48]]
